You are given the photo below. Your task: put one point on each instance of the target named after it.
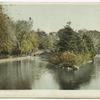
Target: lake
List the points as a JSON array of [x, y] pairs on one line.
[[37, 73]]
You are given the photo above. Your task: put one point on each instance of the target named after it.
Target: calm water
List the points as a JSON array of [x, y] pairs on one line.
[[38, 74]]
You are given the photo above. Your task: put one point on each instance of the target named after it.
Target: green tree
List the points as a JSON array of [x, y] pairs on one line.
[[89, 46], [53, 38], [94, 35], [29, 43], [69, 40], [43, 40], [7, 37], [25, 36]]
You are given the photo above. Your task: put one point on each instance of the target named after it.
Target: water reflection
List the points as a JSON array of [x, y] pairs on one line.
[[43, 78], [16, 75], [73, 79], [38, 74]]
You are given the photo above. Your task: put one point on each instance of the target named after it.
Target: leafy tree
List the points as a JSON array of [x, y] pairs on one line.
[[29, 43], [89, 46], [24, 36], [53, 38], [43, 39], [71, 43], [94, 35], [7, 37], [69, 40]]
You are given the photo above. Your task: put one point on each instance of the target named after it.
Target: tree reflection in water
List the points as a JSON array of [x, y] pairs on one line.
[[16, 75], [38, 74], [73, 79]]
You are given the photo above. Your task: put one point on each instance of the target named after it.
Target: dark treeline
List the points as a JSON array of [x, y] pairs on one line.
[[67, 47]]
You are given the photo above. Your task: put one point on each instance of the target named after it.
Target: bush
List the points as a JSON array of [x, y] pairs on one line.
[[69, 59], [55, 58], [82, 58]]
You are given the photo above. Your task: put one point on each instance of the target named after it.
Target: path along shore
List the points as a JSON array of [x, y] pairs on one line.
[[20, 58], [15, 59]]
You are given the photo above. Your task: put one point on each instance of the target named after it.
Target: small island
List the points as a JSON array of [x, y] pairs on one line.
[[72, 48]]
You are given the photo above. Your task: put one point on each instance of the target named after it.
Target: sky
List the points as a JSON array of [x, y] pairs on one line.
[[52, 17]]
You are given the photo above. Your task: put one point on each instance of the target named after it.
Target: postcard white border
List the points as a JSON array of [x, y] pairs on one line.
[[50, 94]]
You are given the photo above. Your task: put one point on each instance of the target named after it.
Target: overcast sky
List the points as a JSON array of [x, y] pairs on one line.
[[52, 17]]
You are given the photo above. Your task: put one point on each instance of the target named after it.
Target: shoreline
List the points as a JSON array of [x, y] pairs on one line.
[[15, 59], [18, 58], [3, 60]]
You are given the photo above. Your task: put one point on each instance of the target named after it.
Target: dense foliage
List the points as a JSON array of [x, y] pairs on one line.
[[94, 35], [16, 38], [7, 37], [67, 47], [72, 48]]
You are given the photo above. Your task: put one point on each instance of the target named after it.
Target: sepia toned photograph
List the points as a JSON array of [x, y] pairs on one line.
[[49, 46]]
